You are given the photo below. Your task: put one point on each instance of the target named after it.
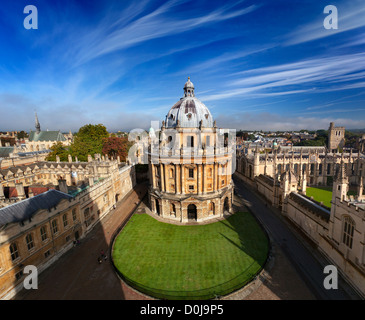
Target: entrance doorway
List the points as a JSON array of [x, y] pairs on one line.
[[192, 214], [226, 205], [157, 205]]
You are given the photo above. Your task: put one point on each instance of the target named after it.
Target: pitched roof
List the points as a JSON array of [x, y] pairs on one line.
[[5, 151], [25, 209], [46, 136]]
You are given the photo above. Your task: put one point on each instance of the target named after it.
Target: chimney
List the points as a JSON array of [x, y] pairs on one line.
[[91, 181], [20, 191], [62, 185], [69, 158], [57, 159], [89, 158]]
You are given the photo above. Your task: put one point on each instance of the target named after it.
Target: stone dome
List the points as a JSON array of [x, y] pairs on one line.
[[189, 111]]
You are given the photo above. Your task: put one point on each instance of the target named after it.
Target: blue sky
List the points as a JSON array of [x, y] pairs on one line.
[[265, 65]]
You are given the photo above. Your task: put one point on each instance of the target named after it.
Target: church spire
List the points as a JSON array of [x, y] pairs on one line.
[[37, 125]]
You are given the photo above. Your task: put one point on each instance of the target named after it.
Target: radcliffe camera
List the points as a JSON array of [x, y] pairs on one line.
[[185, 158]]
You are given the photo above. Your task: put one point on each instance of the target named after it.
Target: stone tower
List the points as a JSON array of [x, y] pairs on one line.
[[190, 164], [336, 138]]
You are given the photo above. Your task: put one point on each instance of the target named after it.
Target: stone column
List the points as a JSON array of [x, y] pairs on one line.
[[203, 178], [198, 181], [2, 196], [182, 179], [215, 176]]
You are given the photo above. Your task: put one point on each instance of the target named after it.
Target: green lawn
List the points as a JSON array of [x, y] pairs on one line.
[[323, 194], [190, 262]]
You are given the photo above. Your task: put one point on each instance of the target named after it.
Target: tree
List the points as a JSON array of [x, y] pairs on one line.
[[21, 135], [115, 146], [89, 140], [60, 150]]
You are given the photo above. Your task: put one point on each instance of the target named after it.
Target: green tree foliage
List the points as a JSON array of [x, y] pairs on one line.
[[60, 150], [351, 139], [21, 135], [89, 140], [320, 140]]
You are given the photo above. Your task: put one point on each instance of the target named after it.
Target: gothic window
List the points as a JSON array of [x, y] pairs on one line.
[[312, 168], [348, 231], [74, 217], [296, 168], [279, 168], [29, 240], [43, 233], [14, 251], [304, 168], [64, 219], [54, 226]]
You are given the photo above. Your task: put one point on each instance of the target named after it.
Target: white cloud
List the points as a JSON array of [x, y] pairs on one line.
[[350, 16]]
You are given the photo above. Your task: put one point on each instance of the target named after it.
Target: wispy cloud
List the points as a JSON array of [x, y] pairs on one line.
[[350, 16], [302, 76], [111, 36]]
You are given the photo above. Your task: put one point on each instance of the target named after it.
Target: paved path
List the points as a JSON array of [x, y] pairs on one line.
[[299, 255]]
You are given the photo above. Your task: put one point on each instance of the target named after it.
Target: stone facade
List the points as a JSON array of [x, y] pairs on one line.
[[318, 165], [337, 232], [41, 238]]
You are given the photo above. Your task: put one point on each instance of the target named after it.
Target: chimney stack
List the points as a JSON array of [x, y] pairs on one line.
[[20, 191], [62, 185]]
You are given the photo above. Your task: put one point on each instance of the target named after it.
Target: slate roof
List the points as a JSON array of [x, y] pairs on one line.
[[5, 151], [311, 205], [25, 209], [46, 136]]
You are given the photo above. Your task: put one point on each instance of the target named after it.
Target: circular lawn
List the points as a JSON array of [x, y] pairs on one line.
[[169, 261]]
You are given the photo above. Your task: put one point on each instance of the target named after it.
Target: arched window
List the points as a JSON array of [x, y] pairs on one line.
[[348, 231], [171, 173], [14, 251], [43, 233], [173, 209], [29, 240], [54, 226], [64, 219], [296, 168], [279, 168]]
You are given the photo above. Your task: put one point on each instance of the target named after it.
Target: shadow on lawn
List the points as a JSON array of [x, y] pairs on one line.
[[257, 250]]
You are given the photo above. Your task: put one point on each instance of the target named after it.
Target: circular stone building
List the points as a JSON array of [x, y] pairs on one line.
[[190, 164]]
